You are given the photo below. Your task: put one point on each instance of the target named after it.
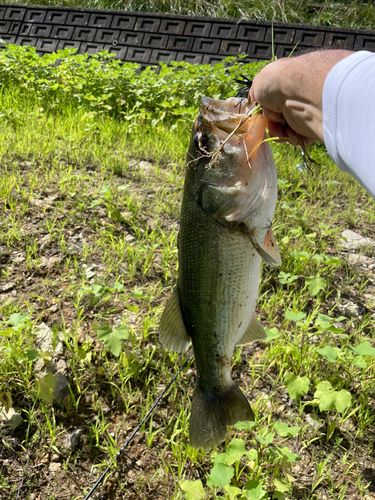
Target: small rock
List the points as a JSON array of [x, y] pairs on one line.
[[10, 418], [72, 439], [55, 458], [7, 287], [44, 338], [145, 166], [129, 238], [13, 441], [354, 258], [89, 273], [370, 299], [315, 424], [61, 389], [350, 309], [54, 467], [61, 366], [353, 241], [190, 374], [17, 260]]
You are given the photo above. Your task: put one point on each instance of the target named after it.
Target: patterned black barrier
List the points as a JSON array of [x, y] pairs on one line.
[[148, 38]]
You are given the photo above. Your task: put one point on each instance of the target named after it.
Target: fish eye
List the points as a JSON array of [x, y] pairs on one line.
[[204, 141]]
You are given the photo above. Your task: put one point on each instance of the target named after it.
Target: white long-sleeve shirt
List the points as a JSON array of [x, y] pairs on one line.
[[349, 117]]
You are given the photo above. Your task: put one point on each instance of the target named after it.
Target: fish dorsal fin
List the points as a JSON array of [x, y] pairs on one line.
[[270, 246], [268, 259], [172, 331], [255, 331]]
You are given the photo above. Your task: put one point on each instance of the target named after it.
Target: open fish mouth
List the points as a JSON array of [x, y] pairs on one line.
[[226, 115]]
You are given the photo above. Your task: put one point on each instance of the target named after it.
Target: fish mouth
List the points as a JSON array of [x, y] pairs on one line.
[[229, 115]]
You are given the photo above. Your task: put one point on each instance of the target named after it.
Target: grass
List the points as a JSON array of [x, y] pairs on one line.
[[88, 246], [356, 14]]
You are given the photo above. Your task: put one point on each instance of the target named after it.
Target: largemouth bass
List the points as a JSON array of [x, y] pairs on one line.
[[225, 231]]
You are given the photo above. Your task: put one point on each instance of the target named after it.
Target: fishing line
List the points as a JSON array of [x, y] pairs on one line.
[[137, 429]]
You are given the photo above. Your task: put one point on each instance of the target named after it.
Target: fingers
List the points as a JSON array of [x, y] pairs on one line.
[[288, 135], [274, 117]]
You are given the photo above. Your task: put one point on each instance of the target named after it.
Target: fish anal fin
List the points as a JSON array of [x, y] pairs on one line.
[[254, 331], [270, 246], [172, 331], [212, 412]]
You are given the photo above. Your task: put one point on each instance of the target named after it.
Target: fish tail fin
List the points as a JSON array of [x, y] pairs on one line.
[[211, 414]]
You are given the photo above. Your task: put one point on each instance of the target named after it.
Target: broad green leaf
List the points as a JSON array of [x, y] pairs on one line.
[[97, 290], [252, 454], [282, 486], [220, 475], [330, 353], [95, 202], [295, 385], [138, 293], [267, 439], [282, 429], [17, 318], [329, 399], [365, 349], [193, 489], [360, 362], [245, 425], [278, 495], [45, 387], [32, 355], [112, 338], [8, 332], [272, 333], [106, 191], [116, 215], [286, 278], [236, 449], [295, 316], [343, 400], [121, 331], [118, 286], [289, 455], [254, 490], [233, 492], [46, 356], [315, 284], [300, 255]]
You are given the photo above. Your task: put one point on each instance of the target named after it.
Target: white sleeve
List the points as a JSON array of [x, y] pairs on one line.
[[349, 117]]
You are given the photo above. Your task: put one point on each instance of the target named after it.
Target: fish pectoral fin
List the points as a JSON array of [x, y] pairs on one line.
[[266, 257], [172, 331], [270, 246], [254, 331]]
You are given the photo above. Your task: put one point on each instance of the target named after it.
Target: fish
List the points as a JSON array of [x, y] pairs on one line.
[[225, 232]]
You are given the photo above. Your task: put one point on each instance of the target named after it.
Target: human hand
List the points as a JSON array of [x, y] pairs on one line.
[[290, 91]]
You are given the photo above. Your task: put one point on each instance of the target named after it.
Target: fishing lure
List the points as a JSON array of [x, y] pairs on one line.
[[245, 86]]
